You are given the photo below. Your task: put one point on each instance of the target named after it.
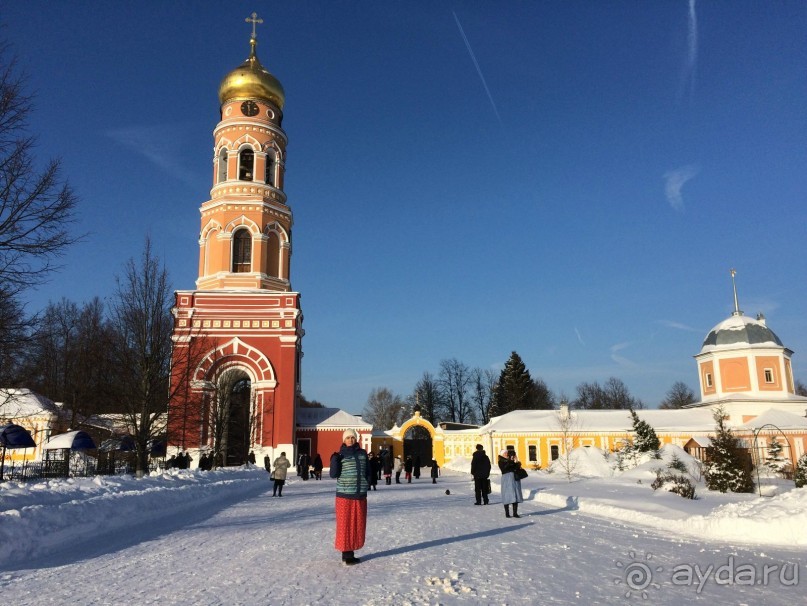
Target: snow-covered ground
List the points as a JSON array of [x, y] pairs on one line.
[[191, 537]]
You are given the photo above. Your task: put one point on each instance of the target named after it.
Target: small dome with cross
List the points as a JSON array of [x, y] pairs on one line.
[[251, 80]]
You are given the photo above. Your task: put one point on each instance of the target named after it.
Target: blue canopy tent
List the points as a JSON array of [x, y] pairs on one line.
[[123, 444], [72, 440], [13, 436], [66, 442]]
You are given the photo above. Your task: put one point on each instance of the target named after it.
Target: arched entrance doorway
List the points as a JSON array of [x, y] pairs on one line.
[[418, 444], [233, 428]]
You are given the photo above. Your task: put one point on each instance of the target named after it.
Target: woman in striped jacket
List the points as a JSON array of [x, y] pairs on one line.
[[351, 468]]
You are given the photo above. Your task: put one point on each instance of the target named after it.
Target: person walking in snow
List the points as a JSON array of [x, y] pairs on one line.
[[397, 467], [351, 468], [511, 486], [435, 471], [480, 470], [281, 466], [317, 465], [416, 467]]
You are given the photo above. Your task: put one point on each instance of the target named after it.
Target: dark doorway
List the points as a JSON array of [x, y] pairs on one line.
[[418, 445], [238, 426]]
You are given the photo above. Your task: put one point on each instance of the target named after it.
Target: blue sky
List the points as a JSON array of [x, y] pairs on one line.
[[569, 180]]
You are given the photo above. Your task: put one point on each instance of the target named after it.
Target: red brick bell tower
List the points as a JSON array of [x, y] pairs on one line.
[[238, 336]]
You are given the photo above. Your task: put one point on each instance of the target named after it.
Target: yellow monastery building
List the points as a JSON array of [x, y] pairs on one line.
[[743, 368]]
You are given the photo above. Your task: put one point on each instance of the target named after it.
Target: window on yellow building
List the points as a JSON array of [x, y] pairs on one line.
[[768, 375], [532, 453]]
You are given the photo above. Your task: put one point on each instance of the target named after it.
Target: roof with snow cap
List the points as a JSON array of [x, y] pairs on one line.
[[601, 420], [329, 418], [739, 331]]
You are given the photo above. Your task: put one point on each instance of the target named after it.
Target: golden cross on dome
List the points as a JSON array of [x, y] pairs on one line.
[[254, 20]]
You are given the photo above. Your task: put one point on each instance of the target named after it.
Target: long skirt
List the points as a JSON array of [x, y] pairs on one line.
[[511, 489], [351, 523]]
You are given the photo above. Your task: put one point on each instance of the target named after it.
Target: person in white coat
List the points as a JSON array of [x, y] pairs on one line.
[[511, 486], [281, 466]]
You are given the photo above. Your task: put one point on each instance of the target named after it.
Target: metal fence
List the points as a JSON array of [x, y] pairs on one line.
[[40, 470]]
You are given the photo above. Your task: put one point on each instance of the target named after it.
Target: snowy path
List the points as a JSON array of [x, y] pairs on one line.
[[423, 547]]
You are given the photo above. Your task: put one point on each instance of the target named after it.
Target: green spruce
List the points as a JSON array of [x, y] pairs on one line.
[[515, 389], [728, 466], [801, 471], [646, 438]]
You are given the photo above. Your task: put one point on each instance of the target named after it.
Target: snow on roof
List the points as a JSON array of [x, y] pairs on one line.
[[18, 403], [740, 331], [334, 418], [779, 418], [601, 420]]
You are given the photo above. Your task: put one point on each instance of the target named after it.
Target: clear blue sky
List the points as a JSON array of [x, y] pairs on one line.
[[569, 180]]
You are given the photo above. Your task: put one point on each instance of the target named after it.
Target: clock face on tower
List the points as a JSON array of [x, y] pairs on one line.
[[249, 108]]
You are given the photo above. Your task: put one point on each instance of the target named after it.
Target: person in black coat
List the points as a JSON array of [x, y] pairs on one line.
[[375, 466], [386, 465], [416, 467], [435, 471], [480, 470], [408, 469], [317, 467]]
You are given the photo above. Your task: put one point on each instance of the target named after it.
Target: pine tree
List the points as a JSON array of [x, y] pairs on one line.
[[726, 467], [775, 461], [515, 390], [801, 471], [646, 438]]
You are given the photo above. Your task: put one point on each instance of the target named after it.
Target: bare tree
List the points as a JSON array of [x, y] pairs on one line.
[[568, 424], [614, 395], [13, 339], [143, 325], [455, 379], [383, 408], [483, 385], [428, 396], [67, 359], [679, 395], [801, 388], [36, 206], [36, 211]]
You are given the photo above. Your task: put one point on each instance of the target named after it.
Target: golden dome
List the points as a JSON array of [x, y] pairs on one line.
[[252, 80]]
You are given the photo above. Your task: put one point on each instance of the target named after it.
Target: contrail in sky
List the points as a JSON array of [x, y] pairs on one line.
[[476, 64], [688, 80]]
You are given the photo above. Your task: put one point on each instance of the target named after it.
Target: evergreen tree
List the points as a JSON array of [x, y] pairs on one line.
[[728, 468], [801, 471], [515, 390], [775, 461], [646, 438]]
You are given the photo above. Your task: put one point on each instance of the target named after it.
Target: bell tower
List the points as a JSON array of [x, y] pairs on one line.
[[238, 336]]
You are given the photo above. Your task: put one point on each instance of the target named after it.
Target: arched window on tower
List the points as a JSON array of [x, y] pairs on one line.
[[274, 255], [242, 251], [222, 174], [271, 166], [246, 165]]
